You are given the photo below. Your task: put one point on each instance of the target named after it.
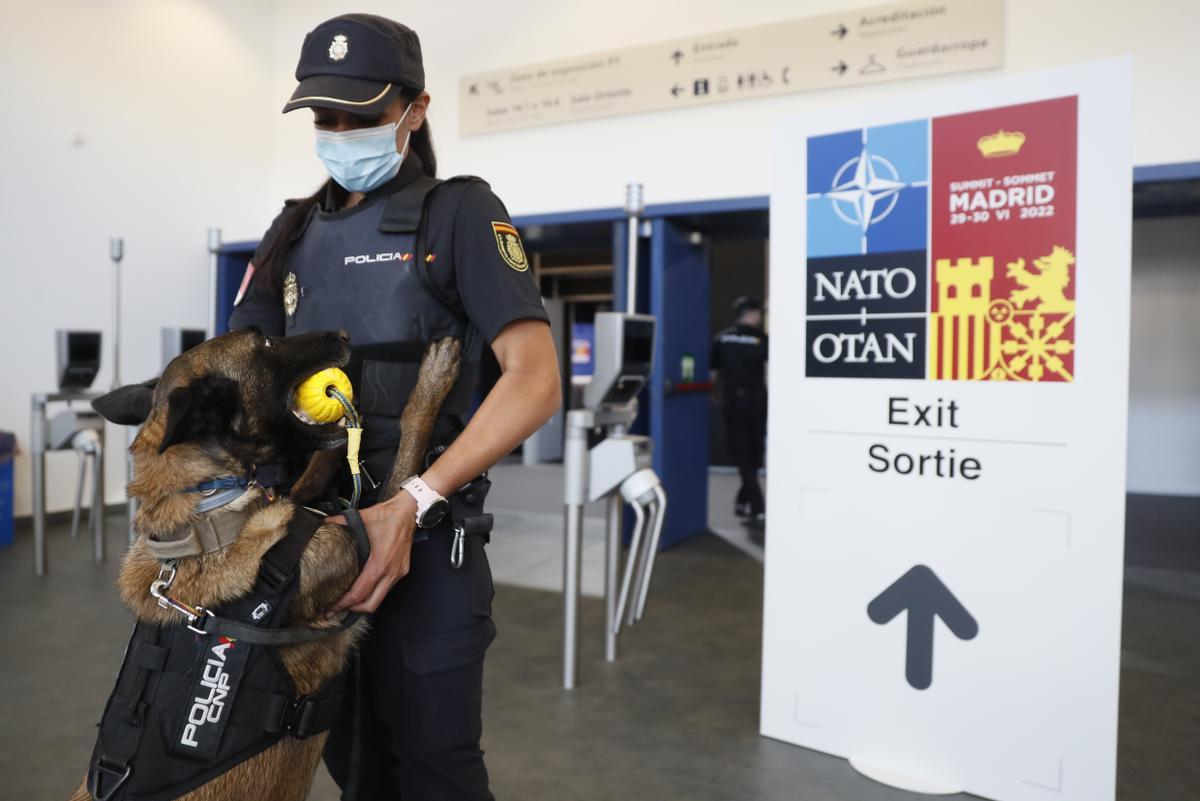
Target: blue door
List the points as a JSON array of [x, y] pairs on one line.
[[678, 410]]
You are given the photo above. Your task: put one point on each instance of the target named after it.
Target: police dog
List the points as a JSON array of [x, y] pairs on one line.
[[217, 410]]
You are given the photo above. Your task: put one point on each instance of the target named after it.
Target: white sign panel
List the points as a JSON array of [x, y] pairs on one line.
[[869, 45], [947, 435]]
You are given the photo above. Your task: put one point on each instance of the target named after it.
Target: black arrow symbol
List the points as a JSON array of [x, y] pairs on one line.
[[676, 89], [840, 68], [925, 597], [677, 56], [840, 31]]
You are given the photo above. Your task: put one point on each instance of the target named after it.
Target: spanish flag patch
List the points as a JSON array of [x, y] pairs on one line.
[[508, 242]]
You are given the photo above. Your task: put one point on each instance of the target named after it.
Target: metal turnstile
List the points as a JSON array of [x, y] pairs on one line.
[[603, 461]]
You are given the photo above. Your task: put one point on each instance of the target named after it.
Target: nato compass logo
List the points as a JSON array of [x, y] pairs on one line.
[[867, 190], [867, 275]]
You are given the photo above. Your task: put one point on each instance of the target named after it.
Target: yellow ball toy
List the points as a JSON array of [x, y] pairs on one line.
[[313, 399]]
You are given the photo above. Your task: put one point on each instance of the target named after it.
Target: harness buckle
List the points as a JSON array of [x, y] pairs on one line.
[[120, 772], [273, 576], [298, 717]]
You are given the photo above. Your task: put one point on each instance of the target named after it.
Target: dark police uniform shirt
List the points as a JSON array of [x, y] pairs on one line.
[[740, 353], [465, 234]]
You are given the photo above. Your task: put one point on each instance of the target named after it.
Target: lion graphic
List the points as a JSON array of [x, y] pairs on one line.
[[1047, 285]]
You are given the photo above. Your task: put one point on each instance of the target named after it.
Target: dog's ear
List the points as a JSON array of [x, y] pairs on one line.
[[203, 408], [127, 406]]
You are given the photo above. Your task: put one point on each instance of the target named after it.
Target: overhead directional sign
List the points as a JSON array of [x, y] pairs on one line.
[[870, 45], [947, 433]]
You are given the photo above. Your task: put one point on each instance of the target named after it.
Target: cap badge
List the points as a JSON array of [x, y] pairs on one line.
[[339, 47]]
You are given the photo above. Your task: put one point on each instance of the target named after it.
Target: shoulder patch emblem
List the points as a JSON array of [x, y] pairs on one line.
[[291, 294], [508, 242]]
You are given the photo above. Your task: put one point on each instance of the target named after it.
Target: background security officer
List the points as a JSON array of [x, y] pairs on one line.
[[739, 368], [399, 259]]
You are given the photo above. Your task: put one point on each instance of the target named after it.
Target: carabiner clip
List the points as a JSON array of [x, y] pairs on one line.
[[458, 547], [192, 614]]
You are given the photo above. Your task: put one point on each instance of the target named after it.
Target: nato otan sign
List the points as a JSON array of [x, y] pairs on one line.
[[947, 435]]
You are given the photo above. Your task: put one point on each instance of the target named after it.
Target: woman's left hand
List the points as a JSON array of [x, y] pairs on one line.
[[390, 526]]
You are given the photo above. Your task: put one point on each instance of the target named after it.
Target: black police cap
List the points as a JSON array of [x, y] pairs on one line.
[[358, 63]]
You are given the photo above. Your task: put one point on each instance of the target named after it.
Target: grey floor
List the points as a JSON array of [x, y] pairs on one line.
[[676, 718]]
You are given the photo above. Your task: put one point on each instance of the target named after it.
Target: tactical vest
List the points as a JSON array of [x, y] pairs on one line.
[[365, 271], [192, 701]]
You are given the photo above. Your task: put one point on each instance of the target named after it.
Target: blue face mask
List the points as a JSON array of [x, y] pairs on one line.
[[364, 158]]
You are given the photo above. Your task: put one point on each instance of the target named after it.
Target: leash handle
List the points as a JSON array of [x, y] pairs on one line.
[[362, 542]]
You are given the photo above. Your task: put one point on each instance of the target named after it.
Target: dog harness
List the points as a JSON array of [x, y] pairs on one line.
[[196, 698]]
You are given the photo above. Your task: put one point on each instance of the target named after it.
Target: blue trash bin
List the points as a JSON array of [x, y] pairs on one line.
[[8, 447]]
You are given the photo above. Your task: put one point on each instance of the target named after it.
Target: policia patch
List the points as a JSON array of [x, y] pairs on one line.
[[219, 669], [508, 242]]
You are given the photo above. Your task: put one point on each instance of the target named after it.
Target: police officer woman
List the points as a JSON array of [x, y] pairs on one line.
[[399, 259]]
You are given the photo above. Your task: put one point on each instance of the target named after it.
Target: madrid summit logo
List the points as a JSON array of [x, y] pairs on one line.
[[1003, 256], [867, 252]]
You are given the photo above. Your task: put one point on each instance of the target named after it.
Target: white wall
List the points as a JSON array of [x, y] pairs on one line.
[[155, 119], [121, 118]]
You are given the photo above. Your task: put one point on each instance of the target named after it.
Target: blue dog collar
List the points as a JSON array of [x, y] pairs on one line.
[[223, 483], [219, 491]]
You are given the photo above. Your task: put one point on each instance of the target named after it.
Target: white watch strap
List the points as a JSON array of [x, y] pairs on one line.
[[422, 493]]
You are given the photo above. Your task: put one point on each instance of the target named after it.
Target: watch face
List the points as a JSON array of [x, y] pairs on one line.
[[434, 514]]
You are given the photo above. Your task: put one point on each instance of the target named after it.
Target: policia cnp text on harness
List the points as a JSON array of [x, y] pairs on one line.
[[196, 698]]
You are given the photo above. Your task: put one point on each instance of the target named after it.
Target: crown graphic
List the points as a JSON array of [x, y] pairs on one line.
[[1002, 143]]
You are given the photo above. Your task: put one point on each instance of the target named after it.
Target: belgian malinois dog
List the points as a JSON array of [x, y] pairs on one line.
[[219, 409]]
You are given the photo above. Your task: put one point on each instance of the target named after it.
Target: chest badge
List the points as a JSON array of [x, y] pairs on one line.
[[291, 295], [508, 242], [339, 48]]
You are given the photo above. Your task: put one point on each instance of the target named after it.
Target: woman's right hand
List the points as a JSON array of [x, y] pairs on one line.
[[390, 527]]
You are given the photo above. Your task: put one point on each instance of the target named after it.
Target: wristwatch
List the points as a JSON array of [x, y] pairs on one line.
[[431, 506]]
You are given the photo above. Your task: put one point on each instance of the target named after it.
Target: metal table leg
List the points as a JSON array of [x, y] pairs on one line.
[[37, 436], [78, 511], [98, 500]]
